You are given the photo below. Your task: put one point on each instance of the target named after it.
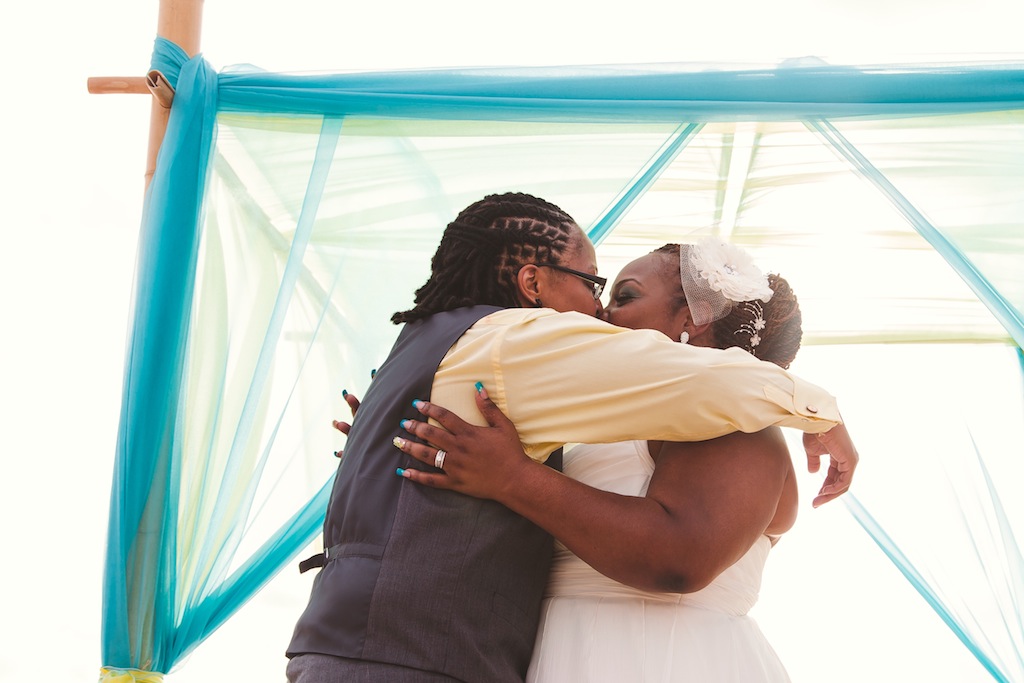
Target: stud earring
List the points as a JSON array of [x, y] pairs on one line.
[[684, 337]]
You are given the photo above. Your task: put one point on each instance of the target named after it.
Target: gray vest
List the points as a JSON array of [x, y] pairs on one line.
[[414, 576]]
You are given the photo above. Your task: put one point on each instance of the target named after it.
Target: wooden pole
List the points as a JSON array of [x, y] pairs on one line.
[[179, 21], [106, 85], [154, 83]]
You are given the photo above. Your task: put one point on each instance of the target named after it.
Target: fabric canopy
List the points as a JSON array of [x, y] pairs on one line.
[[290, 215]]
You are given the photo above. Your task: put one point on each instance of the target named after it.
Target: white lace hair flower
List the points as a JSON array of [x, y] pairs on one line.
[[715, 275], [730, 270]]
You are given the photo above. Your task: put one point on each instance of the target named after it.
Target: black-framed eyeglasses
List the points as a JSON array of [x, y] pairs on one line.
[[596, 281]]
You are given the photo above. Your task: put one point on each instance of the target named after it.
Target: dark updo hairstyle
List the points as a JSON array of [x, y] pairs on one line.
[[778, 340], [483, 249]]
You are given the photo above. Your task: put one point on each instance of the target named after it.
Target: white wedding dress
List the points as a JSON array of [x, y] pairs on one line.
[[595, 630]]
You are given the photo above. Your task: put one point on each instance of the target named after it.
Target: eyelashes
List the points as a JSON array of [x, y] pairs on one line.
[[624, 296]]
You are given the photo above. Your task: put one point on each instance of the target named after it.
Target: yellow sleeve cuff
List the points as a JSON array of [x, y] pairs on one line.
[[812, 409]]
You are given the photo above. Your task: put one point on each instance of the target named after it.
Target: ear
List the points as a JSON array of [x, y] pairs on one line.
[[528, 286], [700, 335]]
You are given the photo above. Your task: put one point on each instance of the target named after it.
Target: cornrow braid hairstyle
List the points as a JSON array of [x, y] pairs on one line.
[[778, 339], [483, 249]]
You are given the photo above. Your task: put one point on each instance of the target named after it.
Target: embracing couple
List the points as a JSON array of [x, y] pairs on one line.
[[439, 563]]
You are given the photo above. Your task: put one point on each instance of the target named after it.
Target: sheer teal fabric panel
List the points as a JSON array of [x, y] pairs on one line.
[[637, 189], [207, 594], [920, 584], [325, 195], [669, 94], [924, 587], [953, 532], [1005, 311], [863, 272], [140, 580]]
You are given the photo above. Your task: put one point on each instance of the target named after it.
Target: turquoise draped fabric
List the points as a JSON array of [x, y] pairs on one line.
[[140, 578], [630, 94], [1008, 315], [280, 200]]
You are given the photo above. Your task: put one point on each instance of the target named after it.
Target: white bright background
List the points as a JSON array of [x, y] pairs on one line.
[[74, 167]]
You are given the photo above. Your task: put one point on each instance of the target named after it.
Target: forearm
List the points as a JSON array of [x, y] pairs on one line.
[[674, 392], [634, 540], [706, 502]]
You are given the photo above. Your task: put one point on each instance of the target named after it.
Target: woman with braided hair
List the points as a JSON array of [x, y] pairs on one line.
[[488, 244], [421, 584], [661, 544]]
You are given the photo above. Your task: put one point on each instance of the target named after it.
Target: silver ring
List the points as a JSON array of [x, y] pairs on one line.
[[439, 459]]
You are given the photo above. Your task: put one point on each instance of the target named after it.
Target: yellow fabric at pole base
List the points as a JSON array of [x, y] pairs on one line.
[[108, 675]]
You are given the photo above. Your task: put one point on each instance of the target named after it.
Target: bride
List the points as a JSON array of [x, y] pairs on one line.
[[661, 545]]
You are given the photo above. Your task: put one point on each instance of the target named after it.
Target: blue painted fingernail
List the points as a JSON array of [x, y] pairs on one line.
[[416, 403], [403, 423], [479, 387], [344, 393], [373, 373], [400, 471]]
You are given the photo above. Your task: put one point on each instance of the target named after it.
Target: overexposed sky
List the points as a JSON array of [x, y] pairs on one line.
[[74, 165]]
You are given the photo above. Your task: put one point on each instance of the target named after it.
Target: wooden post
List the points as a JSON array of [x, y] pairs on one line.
[[106, 85], [179, 21]]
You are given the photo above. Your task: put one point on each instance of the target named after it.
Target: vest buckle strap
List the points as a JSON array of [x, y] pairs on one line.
[[319, 560]]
